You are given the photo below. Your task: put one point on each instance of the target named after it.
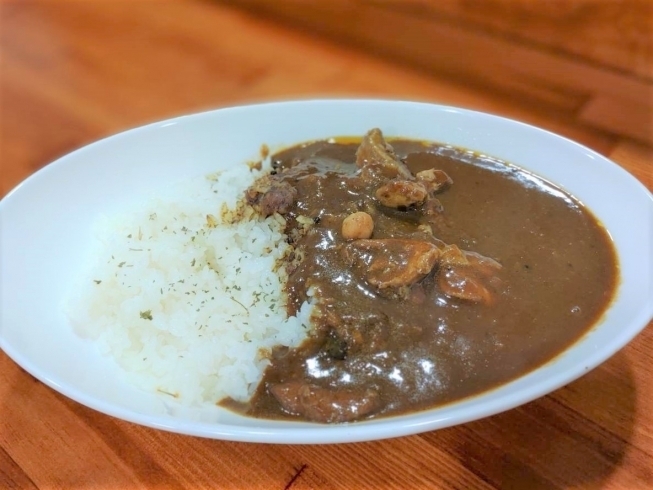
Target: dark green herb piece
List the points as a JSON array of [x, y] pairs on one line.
[[146, 315]]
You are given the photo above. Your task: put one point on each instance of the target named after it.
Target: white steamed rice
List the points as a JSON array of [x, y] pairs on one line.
[[186, 308]]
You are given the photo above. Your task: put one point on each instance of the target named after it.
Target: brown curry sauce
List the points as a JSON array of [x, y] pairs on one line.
[[379, 351]]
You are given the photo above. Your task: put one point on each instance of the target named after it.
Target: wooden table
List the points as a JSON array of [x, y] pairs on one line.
[[73, 72]]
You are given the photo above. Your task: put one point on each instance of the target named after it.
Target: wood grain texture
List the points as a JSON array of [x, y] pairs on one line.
[[75, 71], [592, 59], [607, 33]]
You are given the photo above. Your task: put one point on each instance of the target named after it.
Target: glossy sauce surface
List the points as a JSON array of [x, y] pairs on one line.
[[426, 348]]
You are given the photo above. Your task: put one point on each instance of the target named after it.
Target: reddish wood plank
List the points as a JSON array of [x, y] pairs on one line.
[[11, 474], [544, 55]]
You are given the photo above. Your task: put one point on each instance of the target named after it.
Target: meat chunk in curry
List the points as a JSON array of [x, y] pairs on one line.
[[392, 262]]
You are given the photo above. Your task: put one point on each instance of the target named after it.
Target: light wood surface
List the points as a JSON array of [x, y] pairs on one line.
[[74, 71]]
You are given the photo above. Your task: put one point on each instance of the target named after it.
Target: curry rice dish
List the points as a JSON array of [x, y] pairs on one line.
[[432, 273]]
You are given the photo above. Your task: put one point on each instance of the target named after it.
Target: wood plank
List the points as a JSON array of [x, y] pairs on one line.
[[637, 158], [482, 58], [75, 454], [12, 475], [613, 114], [616, 35]]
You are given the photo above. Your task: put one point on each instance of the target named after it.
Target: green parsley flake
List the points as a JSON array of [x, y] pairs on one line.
[[146, 315]]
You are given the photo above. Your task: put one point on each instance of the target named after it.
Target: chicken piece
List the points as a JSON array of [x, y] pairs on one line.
[[357, 225], [433, 208], [452, 255], [393, 262], [279, 198], [483, 265], [434, 180], [378, 161], [463, 274], [324, 405], [401, 193], [461, 284]]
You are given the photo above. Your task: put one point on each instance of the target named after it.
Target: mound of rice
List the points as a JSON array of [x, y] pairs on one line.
[[187, 292]]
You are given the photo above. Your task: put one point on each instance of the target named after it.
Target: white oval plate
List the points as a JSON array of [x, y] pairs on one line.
[[46, 223]]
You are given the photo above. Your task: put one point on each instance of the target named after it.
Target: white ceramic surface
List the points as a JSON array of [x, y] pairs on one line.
[[45, 235]]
